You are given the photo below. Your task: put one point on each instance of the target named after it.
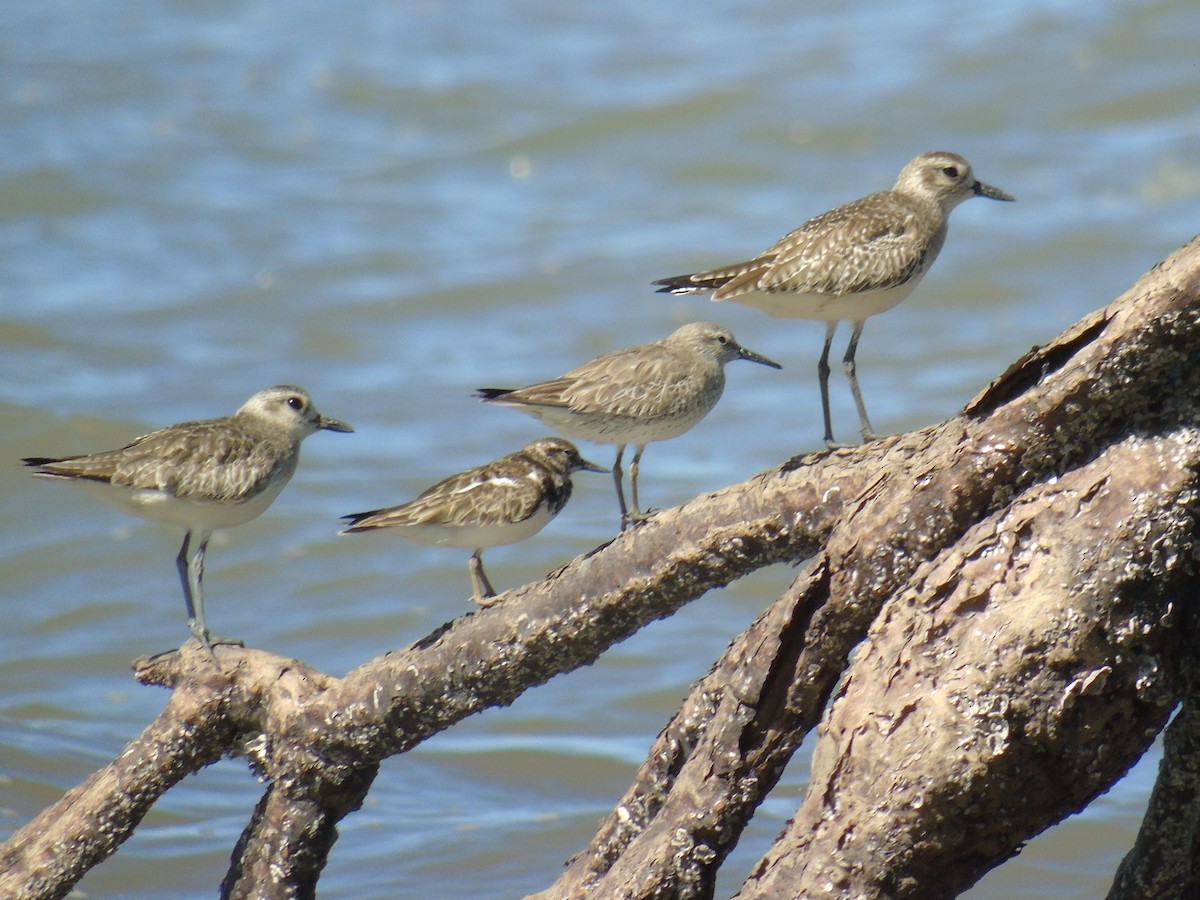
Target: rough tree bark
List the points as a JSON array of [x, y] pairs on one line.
[[1016, 582]]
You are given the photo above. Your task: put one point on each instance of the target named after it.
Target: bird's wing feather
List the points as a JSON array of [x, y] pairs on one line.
[[873, 243], [491, 494], [205, 459]]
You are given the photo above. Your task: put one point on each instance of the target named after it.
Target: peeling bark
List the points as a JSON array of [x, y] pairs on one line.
[[1017, 676], [1163, 861], [1008, 582]]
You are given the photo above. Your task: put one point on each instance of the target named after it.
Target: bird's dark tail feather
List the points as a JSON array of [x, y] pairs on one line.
[[39, 460], [688, 284]]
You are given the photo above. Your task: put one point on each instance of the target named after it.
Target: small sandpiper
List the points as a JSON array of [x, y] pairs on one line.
[[646, 393], [500, 502], [851, 262], [202, 476]]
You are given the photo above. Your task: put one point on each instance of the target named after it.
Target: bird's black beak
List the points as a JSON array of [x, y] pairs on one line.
[[324, 423], [992, 193], [743, 353]]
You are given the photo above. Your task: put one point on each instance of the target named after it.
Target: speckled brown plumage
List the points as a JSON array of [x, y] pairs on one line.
[[637, 395], [499, 502], [851, 262], [201, 475]]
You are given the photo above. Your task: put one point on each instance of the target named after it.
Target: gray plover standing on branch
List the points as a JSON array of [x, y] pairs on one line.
[[500, 502], [646, 393], [202, 475], [851, 262]]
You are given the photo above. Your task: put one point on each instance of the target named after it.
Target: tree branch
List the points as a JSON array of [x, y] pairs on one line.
[[1017, 676], [55, 850], [1164, 862], [1128, 367]]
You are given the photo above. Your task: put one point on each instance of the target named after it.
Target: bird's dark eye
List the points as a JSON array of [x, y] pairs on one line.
[[296, 403], [721, 339], [950, 171]]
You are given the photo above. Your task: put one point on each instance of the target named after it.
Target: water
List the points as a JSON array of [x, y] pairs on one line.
[[394, 203]]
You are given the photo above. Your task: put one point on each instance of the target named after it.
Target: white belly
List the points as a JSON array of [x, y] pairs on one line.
[[188, 514], [615, 429], [476, 536], [828, 307]]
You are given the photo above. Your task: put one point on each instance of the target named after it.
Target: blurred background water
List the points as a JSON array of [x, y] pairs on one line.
[[392, 203]]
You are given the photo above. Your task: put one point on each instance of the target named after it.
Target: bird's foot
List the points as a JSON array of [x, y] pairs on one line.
[[208, 641], [867, 437], [635, 518]]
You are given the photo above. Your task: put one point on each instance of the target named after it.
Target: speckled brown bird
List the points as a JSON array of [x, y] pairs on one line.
[[201, 475], [852, 262], [646, 393], [500, 502]]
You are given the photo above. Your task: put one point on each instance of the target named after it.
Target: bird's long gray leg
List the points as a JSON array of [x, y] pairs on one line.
[[617, 474], [823, 376], [190, 563], [181, 563], [481, 588], [635, 513], [868, 432]]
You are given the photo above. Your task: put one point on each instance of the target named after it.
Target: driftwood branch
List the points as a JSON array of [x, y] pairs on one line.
[[1012, 580], [1163, 860], [1129, 368], [1013, 679]]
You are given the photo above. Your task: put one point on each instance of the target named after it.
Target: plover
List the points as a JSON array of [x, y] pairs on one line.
[[202, 475], [851, 262], [500, 502], [646, 393]]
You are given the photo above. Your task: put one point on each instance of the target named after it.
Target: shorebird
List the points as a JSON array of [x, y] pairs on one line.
[[852, 262], [500, 502], [201, 476], [646, 393]]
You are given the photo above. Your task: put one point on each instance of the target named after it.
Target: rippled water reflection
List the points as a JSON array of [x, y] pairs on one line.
[[394, 203]]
